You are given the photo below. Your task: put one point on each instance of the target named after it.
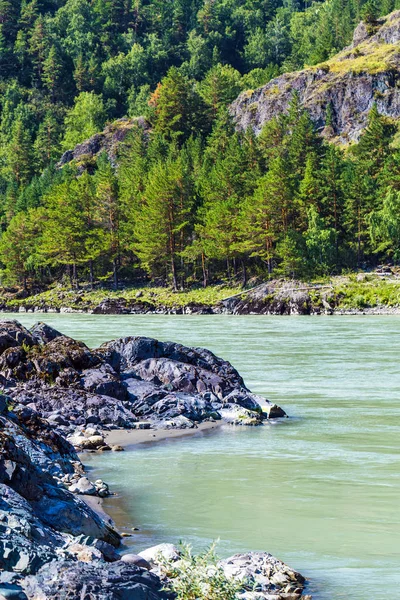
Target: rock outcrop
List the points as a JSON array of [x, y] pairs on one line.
[[349, 83], [130, 380], [52, 545], [280, 297], [108, 141]]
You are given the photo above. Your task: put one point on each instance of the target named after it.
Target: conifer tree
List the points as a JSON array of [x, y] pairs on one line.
[[163, 217], [18, 247], [20, 153], [108, 212], [51, 72]]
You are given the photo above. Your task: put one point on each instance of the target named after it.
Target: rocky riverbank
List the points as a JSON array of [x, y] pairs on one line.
[[377, 292], [52, 543]]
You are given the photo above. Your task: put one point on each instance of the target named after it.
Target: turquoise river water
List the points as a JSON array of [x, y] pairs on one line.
[[320, 490]]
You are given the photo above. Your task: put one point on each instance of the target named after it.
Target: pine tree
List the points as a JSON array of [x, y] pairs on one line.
[[374, 145], [63, 240], [18, 247], [384, 226], [20, 153], [52, 68], [178, 108], [163, 218], [47, 146], [268, 214], [38, 45], [108, 212]]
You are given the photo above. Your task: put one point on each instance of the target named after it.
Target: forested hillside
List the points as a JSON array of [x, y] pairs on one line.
[[186, 198]]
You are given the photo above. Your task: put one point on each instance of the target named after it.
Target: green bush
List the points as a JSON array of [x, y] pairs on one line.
[[199, 577]]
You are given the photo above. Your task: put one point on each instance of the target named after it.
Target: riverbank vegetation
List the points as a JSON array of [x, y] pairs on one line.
[[343, 292], [188, 199]]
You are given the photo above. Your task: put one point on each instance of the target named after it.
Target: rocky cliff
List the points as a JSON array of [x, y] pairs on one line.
[[350, 82], [108, 141]]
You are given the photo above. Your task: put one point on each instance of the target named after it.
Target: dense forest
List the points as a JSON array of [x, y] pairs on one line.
[[190, 199]]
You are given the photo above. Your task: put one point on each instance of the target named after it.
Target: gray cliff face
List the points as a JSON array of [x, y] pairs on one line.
[[107, 141], [364, 73]]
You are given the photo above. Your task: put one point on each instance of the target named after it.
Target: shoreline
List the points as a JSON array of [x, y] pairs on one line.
[[128, 439], [210, 311], [359, 293]]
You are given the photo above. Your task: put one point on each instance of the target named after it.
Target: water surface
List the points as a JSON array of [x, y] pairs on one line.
[[321, 491]]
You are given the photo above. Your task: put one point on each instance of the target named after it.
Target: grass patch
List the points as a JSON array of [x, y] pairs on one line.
[[370, 293], [366, 58], [155, 296]]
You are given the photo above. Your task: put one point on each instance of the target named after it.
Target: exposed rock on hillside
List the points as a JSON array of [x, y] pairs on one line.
[[350, 82], [107, 141]]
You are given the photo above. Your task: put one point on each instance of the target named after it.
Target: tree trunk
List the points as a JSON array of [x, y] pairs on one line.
[[173, 272], [75, 275], [228, 269], [91, 276], [69, 273], [244, 278], [115, 274], [204, 270]]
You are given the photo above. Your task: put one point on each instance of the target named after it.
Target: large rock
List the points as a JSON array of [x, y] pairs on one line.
[[43, 333], [169, 384], [349, 83], [26, 543], [73, 407], [107, 141], [97, 580], [29, 461], [263, 577]]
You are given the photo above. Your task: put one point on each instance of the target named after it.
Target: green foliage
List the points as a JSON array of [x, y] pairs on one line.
[[190, 200], [198, 577], [86, 118]]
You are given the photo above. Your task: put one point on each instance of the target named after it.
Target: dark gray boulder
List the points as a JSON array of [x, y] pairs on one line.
[[26, 466], [168, 384], [97, 580], [42, 333]]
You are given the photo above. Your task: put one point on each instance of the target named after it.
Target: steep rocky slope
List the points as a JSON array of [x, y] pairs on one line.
[[350, 82]]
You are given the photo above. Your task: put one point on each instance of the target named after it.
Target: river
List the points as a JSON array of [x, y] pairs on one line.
[[321, 490]]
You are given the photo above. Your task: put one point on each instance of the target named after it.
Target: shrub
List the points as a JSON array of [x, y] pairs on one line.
[[199, 577]]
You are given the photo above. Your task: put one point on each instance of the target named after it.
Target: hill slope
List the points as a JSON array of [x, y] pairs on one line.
[[364, 73]]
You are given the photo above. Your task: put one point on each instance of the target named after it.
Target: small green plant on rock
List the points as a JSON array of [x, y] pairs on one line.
[[199, 577]]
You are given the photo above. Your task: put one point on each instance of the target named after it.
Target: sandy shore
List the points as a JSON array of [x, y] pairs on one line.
[[132, 437]]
